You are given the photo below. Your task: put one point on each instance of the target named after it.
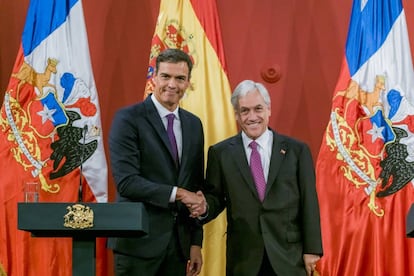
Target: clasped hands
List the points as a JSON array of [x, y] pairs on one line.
[[195, 202]]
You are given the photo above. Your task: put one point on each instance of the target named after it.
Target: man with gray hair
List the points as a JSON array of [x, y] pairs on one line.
[[266, 181]]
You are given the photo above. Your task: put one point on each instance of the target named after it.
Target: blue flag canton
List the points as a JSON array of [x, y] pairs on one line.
[[43, 17], [369, 27]]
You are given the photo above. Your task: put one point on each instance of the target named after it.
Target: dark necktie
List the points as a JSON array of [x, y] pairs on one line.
[[171, 137], [257, 170]]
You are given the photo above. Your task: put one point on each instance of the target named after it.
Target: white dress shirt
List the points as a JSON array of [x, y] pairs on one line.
[[265, 143], [163, 112]]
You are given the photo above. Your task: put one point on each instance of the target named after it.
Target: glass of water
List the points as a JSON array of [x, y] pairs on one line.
[[31, 191]]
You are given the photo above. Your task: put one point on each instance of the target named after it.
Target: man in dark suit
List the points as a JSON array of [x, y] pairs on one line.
[[162, 171], [272, 229]]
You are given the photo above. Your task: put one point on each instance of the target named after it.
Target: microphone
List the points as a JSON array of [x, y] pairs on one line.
[[85, 130]]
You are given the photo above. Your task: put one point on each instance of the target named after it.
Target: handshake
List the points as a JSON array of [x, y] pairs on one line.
[[195, 202]]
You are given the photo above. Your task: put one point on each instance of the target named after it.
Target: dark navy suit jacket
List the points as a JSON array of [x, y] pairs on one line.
[[144, 170]]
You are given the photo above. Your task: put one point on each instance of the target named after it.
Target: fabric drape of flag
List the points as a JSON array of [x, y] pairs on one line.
[[2, 273], [50, 123], [365, 166], [193, 26]]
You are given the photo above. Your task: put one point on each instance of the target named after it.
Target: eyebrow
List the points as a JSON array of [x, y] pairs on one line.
[[256, 106], [169, 75]]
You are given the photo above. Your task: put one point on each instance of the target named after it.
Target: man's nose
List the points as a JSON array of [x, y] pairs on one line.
[[172, 82], [252, 115]]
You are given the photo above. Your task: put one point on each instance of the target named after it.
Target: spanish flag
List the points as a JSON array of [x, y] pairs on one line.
[[365, 167], [193, 26]]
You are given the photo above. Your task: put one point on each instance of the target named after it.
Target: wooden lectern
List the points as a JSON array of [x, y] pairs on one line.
[[84, 222]]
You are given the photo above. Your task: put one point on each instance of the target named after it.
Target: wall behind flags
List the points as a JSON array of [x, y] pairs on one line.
[[302, 42]]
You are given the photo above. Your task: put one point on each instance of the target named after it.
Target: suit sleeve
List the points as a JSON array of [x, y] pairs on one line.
[[214, 189], [126, 155], [312, 243]]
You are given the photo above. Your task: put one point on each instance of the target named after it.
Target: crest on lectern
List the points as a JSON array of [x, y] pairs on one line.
[[78, 217]]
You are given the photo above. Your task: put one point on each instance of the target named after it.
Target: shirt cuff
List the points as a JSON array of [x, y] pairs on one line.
[[173, 195], [205, 215]]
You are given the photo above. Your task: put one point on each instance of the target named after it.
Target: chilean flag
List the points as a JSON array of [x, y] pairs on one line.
[[49, 117], [365, 166]]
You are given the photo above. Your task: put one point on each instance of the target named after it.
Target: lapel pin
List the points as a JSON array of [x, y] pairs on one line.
[[282, 151]]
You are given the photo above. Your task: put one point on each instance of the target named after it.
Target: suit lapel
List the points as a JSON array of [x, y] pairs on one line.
[[279, 150], [156, 122], [186, 136], [239, 157]]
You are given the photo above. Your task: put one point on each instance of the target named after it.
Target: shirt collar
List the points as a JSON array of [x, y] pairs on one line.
[[162, 111], [262, 140]]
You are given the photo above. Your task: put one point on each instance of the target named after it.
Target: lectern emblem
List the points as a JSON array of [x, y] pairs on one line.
[[78, 217]]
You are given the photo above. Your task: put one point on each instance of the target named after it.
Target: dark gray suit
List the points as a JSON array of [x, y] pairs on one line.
[[144, 170], [286, 224]]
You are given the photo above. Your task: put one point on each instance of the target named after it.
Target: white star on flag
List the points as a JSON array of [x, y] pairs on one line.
[[376, 132], [47, 114]]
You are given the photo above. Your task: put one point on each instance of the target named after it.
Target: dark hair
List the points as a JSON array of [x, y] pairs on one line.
[[174, 56]]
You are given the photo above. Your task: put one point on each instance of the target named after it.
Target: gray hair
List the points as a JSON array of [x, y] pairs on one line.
[[245, 87]]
